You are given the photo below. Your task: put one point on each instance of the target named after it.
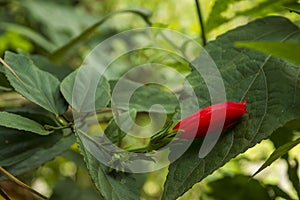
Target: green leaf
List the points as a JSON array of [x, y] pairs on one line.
[[60, 71], [35, 113], [59, 53], [225, 11], [281, 136], [14, 121], [215, 18], [269, 85], [280, 151], [84, 102], [21, 152], [17, 146], [266, 7], [36, 85], [294, 8], [114, 186], [4, 84], [286, 50]]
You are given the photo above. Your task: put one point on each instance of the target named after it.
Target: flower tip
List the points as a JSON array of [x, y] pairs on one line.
[[244, 104]]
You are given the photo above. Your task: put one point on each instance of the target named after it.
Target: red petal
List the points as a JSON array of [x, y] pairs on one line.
[[197, 124]]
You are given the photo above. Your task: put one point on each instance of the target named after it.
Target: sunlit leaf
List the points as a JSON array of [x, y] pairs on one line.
[[286, 50], [37, 38]]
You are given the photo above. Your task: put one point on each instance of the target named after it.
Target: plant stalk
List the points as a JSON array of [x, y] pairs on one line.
[[201, 23]]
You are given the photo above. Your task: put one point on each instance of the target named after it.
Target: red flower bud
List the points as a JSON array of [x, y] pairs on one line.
[[200, 121]]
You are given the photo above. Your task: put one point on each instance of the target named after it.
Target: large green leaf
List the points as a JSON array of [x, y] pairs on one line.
[[269, 85], [15, 121], [82, 100], [17, 146], [34, 84], [23, 151], [113, 186]]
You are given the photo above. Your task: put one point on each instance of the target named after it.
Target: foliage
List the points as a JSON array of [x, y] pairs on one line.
[[257, 61]]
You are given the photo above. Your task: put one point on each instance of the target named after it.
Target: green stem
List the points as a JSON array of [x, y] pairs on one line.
[[61, 120], [49, 127], [201, 22]]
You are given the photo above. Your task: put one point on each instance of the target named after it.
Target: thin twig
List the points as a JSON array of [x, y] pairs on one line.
[[20, 183], [200, 18], [12, 71], [4, 194]]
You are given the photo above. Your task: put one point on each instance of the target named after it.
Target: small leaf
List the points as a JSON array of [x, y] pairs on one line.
[[81, 97], [15, 121], [282, 150], [286, 50], [36, 85]]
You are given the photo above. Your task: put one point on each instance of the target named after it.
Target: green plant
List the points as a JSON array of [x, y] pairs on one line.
[[41, 125]]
